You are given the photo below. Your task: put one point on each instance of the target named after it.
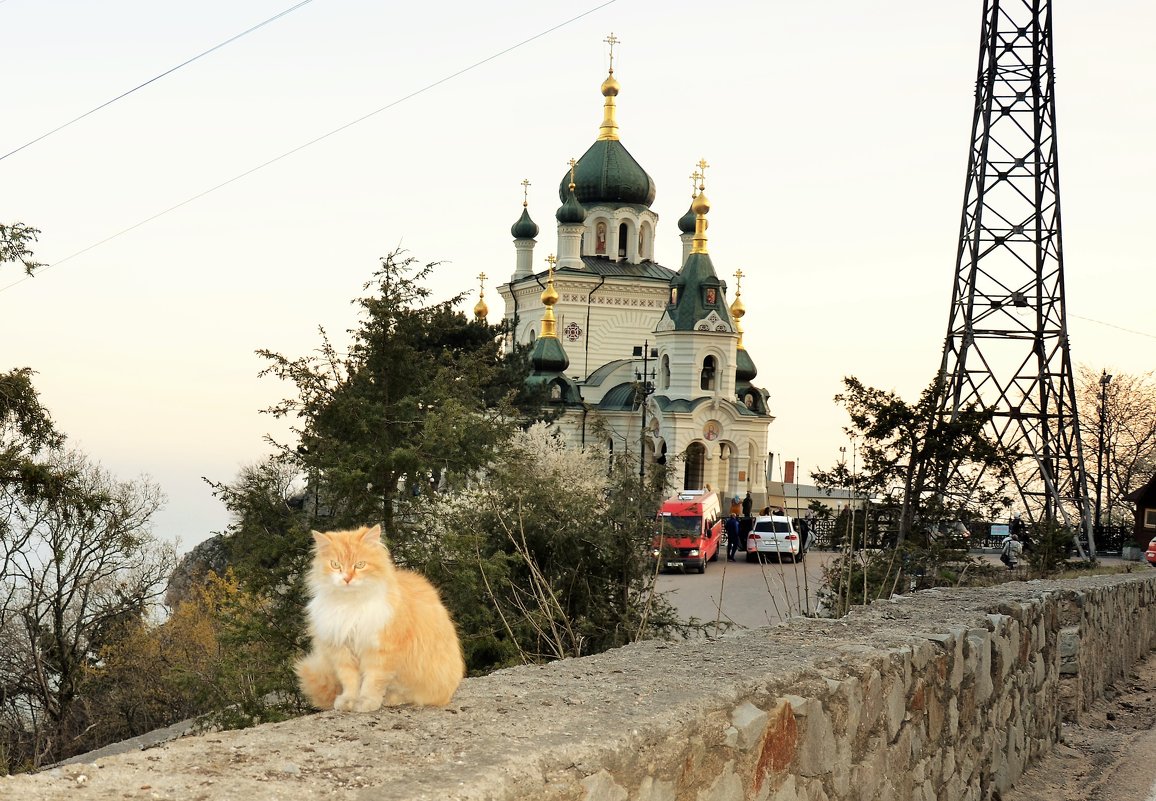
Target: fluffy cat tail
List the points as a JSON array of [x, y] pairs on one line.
[[318, 682]]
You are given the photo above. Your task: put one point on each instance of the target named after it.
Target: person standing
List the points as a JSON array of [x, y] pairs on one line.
[[732, 528], [747, 503]]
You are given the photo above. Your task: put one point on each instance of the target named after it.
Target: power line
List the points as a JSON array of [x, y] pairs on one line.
[[1117, 327], [314, 141], [157, 78]]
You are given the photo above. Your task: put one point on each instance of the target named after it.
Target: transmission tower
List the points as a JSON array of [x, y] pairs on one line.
[[1006, 350]]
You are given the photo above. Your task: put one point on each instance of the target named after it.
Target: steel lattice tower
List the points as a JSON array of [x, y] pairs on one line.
[[1006, 349]]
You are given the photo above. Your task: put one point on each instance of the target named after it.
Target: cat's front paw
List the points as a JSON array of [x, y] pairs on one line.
[[345, 702], [367, 704]]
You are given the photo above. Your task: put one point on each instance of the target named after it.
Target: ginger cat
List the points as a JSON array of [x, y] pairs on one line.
[[380, 633]]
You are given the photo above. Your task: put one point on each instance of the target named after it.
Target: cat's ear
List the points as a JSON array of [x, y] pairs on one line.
[[320, 539], [371, 535]]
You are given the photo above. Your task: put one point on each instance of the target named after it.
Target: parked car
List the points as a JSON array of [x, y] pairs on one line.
[[775, 534], [1151, 555]]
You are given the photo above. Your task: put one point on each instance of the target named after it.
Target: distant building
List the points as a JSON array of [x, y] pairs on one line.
[[619, 338], [796, 499]]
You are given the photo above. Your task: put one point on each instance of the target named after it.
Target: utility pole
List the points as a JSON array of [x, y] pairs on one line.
[[1006, 350], [645, 388], [1105, 379]]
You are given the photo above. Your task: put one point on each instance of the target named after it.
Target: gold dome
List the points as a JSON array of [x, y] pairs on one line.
[[610, 86], [700, 205], [738, 309]]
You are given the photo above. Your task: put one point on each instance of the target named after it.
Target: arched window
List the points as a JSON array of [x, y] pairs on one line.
[[623, 233], [706, 380], [695, 463], [664, 373]]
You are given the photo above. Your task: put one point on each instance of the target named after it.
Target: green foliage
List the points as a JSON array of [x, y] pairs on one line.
[[1047, 547], [26, 433], [859, 577], [544, 557], [422, 398], [422, 395], [15, 241], [937, 470]]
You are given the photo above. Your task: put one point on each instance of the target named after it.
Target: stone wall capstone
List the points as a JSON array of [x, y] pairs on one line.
[[945, 695]]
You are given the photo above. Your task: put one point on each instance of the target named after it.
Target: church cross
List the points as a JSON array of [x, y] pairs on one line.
[[695, 178], [738, 282], [702, 165], [612, 40], [525, 191], [573, 164]]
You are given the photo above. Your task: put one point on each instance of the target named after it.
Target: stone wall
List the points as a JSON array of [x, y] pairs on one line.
[[942, 695]]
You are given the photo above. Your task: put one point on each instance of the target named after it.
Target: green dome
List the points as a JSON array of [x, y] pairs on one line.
[[745, 370], [571, 212], [607, 173], [524, 228], [686, 222], [548, 356]]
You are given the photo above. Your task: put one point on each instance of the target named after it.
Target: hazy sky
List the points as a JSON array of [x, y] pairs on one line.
[[837, 135]]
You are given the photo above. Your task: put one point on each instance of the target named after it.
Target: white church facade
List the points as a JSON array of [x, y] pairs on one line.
[[633, 353]]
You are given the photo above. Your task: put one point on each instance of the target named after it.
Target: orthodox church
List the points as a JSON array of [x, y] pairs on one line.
[[630, 351]]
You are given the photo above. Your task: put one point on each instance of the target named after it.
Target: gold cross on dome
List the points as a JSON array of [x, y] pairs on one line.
[[695, 178], [573, 164], [482, 280], [552, 262], [738, 282], [525, 191], [702, 165], [612, 40]]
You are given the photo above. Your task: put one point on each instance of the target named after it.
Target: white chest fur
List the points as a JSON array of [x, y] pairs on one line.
[[353, 617]]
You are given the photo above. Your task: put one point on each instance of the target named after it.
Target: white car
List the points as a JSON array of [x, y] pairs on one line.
[[775, 534]]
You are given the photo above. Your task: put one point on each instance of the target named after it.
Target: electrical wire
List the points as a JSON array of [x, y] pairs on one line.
[[314, 141], [155, 79], [1117, 327]]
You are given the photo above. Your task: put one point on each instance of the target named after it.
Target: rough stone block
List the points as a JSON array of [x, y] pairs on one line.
[[748, 723], [602, 787]]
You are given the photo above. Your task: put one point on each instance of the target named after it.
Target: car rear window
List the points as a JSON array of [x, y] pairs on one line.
[[777, 526]]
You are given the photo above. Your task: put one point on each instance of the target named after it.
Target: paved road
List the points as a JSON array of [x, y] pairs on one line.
[[745, 594], [750, 595]]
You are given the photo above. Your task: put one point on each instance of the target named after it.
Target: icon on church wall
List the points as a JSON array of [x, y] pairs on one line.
[[710, 296], [600, 238], [673, 296], [572, 332], [711, 430]]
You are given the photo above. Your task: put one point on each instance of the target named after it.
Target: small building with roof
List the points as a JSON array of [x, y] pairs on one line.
[[638, 355]]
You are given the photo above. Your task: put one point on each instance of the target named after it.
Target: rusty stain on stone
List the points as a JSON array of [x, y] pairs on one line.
[[779, 744]]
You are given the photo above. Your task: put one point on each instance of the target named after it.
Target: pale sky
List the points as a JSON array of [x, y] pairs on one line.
[[837, 134]]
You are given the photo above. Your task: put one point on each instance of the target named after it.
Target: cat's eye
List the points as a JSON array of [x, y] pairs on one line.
[[333, 563], [359, 565]]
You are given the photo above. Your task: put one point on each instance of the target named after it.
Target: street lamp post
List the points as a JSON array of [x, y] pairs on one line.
[[1105, 379], [645, 389]]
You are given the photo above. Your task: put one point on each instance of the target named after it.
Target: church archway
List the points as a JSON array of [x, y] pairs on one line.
[[709, 368], [693, 475]]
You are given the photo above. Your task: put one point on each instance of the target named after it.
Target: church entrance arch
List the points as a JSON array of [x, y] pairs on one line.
[[693, 476]]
